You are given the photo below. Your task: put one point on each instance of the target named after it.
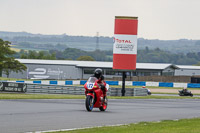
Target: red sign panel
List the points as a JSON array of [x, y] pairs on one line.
[[125, 43]]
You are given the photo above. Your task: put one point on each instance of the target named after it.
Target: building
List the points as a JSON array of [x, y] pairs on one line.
[[67, 69], [186, 70]]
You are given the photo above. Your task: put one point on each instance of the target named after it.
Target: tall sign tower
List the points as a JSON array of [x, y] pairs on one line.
[[125, 45]]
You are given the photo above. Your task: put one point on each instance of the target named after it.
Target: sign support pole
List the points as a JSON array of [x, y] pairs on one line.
[[123, 83]]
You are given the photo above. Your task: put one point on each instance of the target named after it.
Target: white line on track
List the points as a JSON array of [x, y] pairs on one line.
[[70, 129]]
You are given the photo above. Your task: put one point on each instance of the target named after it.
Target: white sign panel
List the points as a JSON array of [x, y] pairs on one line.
[[125, 44]]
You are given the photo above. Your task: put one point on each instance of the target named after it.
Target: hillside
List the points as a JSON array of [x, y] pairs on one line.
[[24, 40]]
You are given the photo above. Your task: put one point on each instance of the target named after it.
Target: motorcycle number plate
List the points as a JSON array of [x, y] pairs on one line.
[[90, 85]]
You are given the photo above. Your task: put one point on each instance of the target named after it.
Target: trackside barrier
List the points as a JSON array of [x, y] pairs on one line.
[[55, 89], [128, 83], [164, 84], [190, 85], [138, 83], [58, 89], [140, 92]]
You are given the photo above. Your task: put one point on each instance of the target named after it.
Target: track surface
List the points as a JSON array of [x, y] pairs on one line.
[[39, 115]]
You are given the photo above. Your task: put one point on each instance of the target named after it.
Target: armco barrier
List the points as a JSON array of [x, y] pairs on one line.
[[58, 89], [55, 89], [128, 83], [140, 92]]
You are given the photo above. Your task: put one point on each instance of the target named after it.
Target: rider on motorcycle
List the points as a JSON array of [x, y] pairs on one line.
[[99, 75], [185, 90]]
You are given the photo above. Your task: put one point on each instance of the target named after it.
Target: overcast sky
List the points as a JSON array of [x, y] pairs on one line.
[[158, 19]]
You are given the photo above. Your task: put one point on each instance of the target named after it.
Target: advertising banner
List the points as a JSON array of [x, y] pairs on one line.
[[125, 43]]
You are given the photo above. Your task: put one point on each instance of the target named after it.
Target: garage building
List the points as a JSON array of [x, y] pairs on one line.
[[67, 69]]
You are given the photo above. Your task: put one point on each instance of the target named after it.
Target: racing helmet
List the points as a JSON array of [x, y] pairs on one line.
[[98, 73]]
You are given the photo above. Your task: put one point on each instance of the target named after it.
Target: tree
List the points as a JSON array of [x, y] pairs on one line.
[[85, 58], [7, 62], [13, 65]]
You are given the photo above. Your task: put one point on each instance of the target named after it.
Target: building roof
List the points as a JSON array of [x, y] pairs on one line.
[[188, 67], [95, 64]]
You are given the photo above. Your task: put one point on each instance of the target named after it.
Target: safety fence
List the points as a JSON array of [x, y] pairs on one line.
[[127, 83], [59, 89]]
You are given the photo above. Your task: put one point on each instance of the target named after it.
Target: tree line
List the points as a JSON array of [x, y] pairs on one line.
[[144, 56]]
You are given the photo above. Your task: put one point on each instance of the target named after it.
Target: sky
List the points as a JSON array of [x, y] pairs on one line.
[[157, 19]]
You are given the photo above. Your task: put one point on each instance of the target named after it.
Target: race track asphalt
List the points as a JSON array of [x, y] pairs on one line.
[[17, 116]]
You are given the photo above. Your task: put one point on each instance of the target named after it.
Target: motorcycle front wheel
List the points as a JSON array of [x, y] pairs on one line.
[[89, 103], [104, 105]]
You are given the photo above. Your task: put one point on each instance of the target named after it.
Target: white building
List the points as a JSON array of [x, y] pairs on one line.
[[67, 69], [186, 70]]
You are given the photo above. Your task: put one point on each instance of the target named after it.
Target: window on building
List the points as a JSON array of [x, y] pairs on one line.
[[110, 72], [89, 71], [168, 73]]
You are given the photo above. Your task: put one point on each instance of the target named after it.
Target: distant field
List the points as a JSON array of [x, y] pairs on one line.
[[15, 49]]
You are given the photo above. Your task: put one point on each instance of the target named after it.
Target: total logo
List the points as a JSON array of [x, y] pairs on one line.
[[121, 41]]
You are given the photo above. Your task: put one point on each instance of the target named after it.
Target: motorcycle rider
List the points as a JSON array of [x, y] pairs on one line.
[[99, 75], [185, 90], [148, 91]]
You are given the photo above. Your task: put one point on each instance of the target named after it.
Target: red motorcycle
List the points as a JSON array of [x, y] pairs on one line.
[[95, 98]]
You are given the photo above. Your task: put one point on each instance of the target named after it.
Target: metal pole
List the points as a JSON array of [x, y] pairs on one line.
[[123, 83]]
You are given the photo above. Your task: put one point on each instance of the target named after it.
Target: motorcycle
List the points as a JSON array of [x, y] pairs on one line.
[[95, 98], [185, 93], [148, 92]]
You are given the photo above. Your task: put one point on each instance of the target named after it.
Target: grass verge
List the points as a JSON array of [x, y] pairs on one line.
[[54, 96], [166, 126], [38, 96]]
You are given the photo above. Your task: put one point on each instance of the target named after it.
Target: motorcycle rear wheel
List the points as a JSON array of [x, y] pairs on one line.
[[104, 105], [89, 103]]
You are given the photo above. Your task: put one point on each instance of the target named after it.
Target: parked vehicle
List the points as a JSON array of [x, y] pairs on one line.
[[95, 98], [185, 92]]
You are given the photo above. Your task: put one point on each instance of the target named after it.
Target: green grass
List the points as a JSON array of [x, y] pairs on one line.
[[38, 96], [166, 126], [14, 79], [54, 96]]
